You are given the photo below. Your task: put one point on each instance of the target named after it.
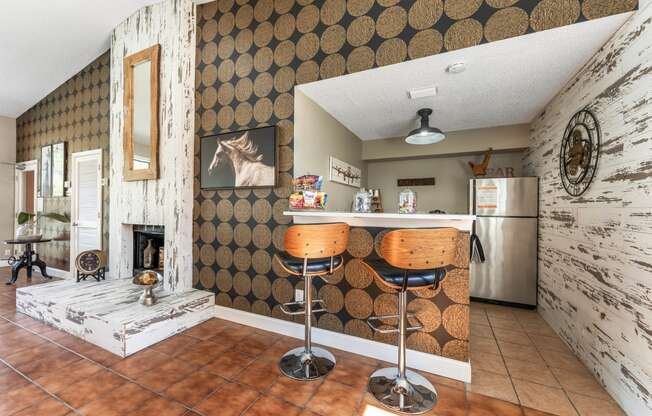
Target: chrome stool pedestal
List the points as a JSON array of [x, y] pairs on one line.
[[412, 260], [311, 251], [307, 362], [397, 388]]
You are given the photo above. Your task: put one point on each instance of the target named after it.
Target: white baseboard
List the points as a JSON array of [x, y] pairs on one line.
[[434, 364], [64, 274]]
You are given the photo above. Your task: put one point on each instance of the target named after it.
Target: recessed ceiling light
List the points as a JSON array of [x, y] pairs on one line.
[[416, 93], [456, 68]]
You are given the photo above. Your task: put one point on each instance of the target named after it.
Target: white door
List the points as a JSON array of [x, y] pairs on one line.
[[86, 203]]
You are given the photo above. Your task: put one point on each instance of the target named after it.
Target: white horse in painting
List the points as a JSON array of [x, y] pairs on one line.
[[247, 162]]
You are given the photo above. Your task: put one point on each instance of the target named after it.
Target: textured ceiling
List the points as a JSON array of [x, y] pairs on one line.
[[43, 44]]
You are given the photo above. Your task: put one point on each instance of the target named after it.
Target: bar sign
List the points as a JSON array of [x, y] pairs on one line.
[[416, 182]]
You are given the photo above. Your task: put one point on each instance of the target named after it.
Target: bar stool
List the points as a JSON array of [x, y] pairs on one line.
[[310, 250], [412, 260]]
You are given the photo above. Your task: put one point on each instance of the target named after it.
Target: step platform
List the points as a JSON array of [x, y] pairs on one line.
[[109, 315]]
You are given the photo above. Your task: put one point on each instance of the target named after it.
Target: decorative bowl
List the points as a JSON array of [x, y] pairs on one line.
[[30, 238], [147, 280]]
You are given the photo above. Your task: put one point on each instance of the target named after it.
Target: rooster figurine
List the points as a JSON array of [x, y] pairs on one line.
[[481, 168]]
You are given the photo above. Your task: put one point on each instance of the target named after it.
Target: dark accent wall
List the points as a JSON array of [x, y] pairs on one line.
[[250, 55], [76, 112]]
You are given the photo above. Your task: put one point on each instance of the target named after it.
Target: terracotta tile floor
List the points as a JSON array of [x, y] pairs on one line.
[[219, 368]]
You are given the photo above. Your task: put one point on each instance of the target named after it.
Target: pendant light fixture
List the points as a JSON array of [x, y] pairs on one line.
[[425, 134]]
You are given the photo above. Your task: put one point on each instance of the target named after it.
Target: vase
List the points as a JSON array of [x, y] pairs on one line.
[[148, 255], [28, 231]]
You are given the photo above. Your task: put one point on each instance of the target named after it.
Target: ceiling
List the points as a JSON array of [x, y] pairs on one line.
[[44, 43], [505, 83]]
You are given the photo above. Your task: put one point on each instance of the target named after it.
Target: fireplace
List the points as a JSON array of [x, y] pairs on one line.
[[145, 235]]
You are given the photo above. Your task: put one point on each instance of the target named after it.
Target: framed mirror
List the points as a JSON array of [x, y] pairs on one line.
[[141, 95]]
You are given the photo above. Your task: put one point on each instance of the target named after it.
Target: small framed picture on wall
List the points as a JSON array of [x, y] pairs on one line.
[[59, 168], [53, 170], [45, 190]]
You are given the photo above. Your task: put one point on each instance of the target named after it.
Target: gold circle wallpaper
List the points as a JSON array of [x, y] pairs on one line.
[[77, 112], [250, 55]]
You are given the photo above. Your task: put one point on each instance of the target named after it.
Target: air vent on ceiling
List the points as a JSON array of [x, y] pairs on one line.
[[416, 93]]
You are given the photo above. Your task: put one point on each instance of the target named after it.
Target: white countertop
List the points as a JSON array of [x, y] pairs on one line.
[[386, 220]]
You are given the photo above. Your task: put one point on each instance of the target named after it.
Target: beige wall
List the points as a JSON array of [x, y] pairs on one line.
[[7, 158], [458, 142], [451, 175], [317, 135]]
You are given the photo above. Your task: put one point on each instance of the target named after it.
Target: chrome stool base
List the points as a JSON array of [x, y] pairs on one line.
[[412, 395], [298, 364]]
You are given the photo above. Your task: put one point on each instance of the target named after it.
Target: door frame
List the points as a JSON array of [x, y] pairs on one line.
[[74, 199]]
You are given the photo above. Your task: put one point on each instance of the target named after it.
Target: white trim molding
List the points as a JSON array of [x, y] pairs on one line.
[[435, 364], [64, 274], [88, 155]]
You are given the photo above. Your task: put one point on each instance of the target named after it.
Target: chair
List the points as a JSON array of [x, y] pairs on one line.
[[310, 250], [412, 260]]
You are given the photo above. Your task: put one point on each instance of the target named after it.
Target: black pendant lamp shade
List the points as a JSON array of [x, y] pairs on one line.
[[425, 134]]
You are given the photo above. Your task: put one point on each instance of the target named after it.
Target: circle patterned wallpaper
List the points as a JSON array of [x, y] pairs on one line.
[[77, 112], [250, 55]]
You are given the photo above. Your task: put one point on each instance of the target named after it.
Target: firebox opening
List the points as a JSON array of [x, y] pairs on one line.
[[149, 248]]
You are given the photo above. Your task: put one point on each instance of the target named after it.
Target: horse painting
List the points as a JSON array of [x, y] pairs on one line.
[[246, 160]]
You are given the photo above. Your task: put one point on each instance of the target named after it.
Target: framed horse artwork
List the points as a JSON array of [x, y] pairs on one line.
[[241, 159]]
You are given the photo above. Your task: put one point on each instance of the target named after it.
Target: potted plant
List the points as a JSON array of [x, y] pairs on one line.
[[28, 224]]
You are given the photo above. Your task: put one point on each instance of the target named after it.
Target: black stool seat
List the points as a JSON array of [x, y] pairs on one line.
[[315, 266], [415, 278]]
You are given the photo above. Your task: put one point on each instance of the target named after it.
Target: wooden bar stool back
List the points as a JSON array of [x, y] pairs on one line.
[[310, 250], [413, 259]]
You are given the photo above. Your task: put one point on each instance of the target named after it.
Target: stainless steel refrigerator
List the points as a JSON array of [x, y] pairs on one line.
[[506, 227]]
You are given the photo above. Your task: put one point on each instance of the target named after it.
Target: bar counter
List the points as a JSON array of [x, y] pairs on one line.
[[385, 220]]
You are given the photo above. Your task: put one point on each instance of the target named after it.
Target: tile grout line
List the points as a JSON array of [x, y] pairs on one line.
[[91, 360], [556, 378], [262, 392], [502, 357], [26, 377]]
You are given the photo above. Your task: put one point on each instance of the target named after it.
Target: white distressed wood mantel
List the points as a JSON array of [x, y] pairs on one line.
[[385, 220], [167, 201]]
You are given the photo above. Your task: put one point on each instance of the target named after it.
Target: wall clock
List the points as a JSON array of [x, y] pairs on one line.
[[580, 150]]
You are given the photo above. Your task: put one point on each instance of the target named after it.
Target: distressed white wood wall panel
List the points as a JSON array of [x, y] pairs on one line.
[[109, 315], [595, 259], [167, 201]]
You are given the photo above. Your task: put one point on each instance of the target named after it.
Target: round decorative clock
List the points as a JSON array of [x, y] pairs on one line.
[[89, 261], [580, 150]]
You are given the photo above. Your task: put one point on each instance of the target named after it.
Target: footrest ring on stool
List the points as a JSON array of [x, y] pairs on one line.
[[288, 308], [371, 321]]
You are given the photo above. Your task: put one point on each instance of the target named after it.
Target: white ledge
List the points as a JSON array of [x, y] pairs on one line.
[[385, 220]]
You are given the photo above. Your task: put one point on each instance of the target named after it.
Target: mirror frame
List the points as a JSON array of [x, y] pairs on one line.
[[150, 54]]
